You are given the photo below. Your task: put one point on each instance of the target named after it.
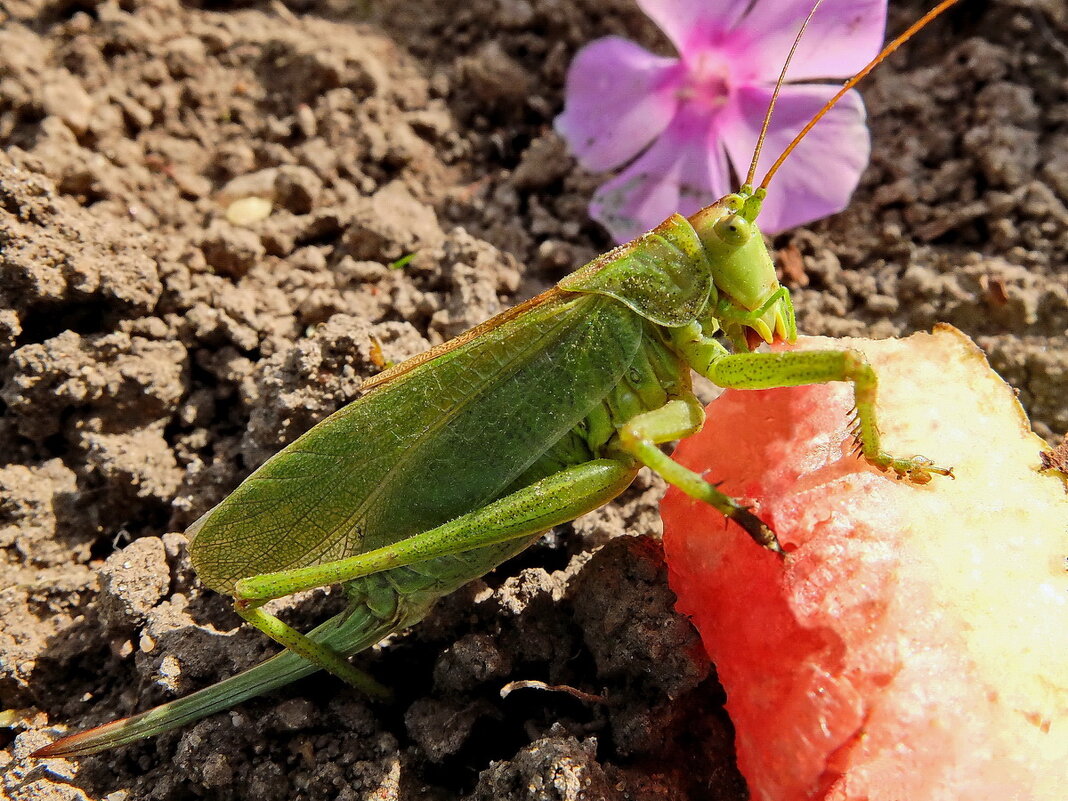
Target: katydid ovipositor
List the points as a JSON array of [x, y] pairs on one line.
[[459, 458]]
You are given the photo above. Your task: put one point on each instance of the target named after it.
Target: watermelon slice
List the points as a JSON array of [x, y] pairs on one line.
[[913, 645]]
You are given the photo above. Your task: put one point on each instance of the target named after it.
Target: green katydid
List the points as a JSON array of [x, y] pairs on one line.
[[456, 460]]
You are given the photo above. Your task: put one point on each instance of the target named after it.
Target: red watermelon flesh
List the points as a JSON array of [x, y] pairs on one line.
[[913, 646]]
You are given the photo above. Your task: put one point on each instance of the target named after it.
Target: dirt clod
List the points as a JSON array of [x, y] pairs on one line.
[[549, 770], [132, 581]]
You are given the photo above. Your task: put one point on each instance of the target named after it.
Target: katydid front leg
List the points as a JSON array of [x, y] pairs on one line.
[[795, 368]]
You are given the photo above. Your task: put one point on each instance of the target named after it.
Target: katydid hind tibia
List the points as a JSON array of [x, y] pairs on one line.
[[456, 460]]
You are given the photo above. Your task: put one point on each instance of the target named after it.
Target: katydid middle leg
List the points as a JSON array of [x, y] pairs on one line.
[[555, 499], [679, 418], [795, 368]]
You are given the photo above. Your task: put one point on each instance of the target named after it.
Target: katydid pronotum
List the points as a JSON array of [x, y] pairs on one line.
[[456, 460]]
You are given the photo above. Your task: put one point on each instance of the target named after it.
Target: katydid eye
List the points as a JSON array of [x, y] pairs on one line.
[[733, 229]]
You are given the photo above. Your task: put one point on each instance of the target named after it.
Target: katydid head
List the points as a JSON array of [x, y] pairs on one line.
[[752, 305]]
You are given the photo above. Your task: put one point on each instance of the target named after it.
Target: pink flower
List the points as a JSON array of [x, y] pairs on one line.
[[683, 125]]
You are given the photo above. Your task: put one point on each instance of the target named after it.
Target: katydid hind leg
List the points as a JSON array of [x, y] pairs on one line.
[[416, 588], [553, 500], [795, 368], [316, 653], [679, 418]]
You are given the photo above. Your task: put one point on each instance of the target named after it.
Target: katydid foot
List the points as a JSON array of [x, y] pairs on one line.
[[918, 469]]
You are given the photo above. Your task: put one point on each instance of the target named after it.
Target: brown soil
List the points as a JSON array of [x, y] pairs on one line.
[[153, 351]]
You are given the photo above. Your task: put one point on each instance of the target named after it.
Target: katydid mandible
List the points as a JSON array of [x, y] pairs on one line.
[[456, 460]]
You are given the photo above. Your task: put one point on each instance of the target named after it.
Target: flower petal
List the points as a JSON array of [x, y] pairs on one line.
[[686, 20], [619, 97], [843, 36], [683, 171], [821, 174]]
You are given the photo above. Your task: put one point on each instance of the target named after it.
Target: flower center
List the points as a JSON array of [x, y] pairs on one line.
[[707, 82]]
